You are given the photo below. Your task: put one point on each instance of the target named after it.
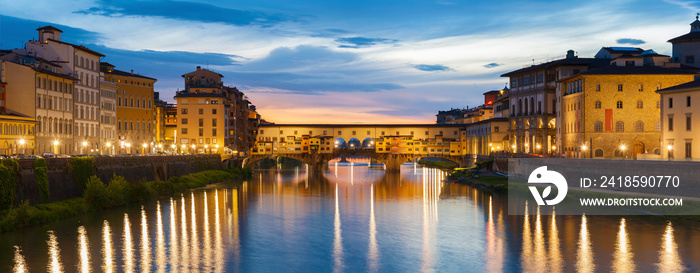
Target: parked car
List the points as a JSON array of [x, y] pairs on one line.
[[49, 155]]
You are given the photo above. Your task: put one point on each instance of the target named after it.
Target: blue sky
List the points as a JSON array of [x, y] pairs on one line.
[[312, 61]]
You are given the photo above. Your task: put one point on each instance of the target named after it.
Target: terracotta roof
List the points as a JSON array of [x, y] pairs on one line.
[[560, 62], [688, 85], [636, 70], [129, 74], [49, 28], [83, 48], [689, 37]]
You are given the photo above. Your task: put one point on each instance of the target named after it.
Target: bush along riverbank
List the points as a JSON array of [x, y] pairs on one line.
[[99, 195], [480, 176], [438, 164]]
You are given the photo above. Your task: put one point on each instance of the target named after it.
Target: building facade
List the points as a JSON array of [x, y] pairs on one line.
[[613, 111], [135, 110], [680, 121], [108, 117], [203, 113]]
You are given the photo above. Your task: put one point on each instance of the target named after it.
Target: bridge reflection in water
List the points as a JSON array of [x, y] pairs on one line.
[[348, 219]]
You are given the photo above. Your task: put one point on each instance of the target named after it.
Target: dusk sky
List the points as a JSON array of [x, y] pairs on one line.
[[311, 61]]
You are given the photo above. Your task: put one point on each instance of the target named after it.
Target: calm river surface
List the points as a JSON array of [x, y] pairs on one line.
[[351, 219]]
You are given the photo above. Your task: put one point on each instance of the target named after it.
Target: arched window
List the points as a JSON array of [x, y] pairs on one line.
[[598, 153], [639, 126], [657, 126], [640, 104], [619, 104], [619, 126], [597, 104], [598, 126]]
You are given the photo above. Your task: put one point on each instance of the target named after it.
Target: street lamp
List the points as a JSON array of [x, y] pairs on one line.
[[670, 153], [21, 143], [84, 146], [55, 146], [143, 151], [193, 148], [622, 148]]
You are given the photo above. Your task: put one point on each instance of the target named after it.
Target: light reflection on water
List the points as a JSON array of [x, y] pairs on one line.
[[353, 219]]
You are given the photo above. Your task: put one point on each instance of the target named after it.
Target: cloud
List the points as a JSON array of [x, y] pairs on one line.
[[630, 41], [432, 68], [185, 11], [359, 42], [296, 83], [302, 57], [492, 65]]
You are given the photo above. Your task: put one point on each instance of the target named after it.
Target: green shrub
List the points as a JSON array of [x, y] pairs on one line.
[[118, 191], [41, 178], [15, 172], [139, 191], [95, 193], [82, 168], [8, 188], [160, 187], [485, 165]]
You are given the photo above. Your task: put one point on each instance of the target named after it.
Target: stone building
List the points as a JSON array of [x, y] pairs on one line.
[[613, 111], [135, 110], [680, 119]]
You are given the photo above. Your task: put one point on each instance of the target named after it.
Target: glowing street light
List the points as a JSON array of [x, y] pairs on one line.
[[174, 146], [622, 147], [583, 147], [538, 146], [669, 147], [85, 143], [21, 141]]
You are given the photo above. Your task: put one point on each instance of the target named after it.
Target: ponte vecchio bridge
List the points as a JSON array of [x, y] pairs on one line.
[[390, 144]]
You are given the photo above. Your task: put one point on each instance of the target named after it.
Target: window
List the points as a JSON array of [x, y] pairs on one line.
[[670, 103], [629, 63], [598, 153], [340, 133], [201, 132], [213, 111], [201, 111], [213, 122], [687, 101], [619, 104], [657, 126], [597, 104], [658, 104], [184, 131], [687, 122], [353, 133], [213, 132], [670, 123], [597, 126], [597, 88], [183, 111], [619, 126], [688, 150], [689, 59], [201, 122], [640, 104], [619, 87], [184, 121], [639, 126]]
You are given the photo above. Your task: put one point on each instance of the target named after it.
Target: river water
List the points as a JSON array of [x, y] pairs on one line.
[[350, 219]]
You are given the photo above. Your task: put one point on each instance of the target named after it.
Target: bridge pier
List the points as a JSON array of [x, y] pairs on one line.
[[393, 163]]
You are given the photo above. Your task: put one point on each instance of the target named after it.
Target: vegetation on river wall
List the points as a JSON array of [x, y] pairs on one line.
[[438, 164], [117, 192]]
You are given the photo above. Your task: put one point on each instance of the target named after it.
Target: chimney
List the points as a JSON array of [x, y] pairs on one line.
[[199, 67], [570, 54]]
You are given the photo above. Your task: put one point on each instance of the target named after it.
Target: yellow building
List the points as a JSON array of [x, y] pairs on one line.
[[135, 110], [17, 134], [613, 111], [160, 117], [680, 122], [203, 117], [171, 126]]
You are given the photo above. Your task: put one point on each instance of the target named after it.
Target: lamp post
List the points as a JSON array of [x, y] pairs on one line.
[[143, 151], [193, 146], [205, 148], [670, 152], [128, 147], [583, 149], [622, 148], [84, 146], [108, 145], [21, 143], [55, 146]]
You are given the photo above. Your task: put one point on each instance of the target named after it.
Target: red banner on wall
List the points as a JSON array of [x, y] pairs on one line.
[[608, 120]]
